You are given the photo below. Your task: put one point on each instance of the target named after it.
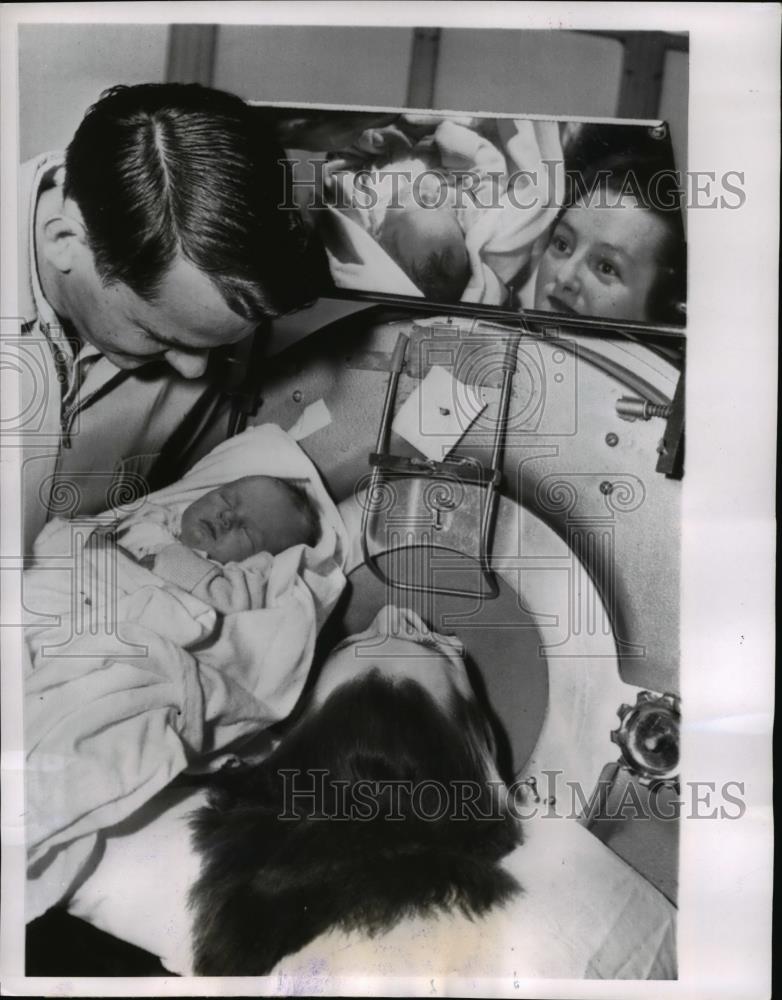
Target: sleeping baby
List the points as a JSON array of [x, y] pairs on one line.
[[160, 632], [456, 216], [220, 548]]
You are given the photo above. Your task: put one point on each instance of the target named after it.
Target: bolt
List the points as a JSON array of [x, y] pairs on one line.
[[606, 487], [612, 440], [297, 395]]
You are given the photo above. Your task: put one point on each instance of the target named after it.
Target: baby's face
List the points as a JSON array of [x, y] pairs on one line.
[[412, 233], [601, 262], [250, 515]]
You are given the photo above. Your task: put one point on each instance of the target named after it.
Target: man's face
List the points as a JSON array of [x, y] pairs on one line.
[[601, 262], [186, 318]]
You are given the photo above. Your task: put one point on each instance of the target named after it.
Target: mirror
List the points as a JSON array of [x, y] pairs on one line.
[[581, 219]]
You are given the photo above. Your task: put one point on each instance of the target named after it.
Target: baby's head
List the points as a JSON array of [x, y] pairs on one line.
[[616, 256], [250, 515], [428, 245]]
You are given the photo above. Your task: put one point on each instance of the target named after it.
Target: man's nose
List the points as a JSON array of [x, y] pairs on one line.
[[187, 363]]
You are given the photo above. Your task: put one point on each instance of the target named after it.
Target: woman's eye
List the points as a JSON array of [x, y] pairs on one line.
[[607, 269], [560, 244]]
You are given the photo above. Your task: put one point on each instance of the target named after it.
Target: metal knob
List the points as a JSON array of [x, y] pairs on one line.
[[648, 738]]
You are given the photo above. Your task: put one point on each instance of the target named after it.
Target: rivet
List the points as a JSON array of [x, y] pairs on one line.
[[297, 395], [612, 440]]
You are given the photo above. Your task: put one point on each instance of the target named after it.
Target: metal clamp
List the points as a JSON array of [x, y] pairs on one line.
[[469, 472]]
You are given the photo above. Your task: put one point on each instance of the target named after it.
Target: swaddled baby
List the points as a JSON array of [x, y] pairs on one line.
[[457, 217], [220, 548]]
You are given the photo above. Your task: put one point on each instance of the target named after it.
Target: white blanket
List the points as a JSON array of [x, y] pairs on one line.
[[125, 691]]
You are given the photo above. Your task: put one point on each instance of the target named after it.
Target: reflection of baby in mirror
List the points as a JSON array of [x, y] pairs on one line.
[[428, 245], [440, 208], [406, 205], [220, 548]]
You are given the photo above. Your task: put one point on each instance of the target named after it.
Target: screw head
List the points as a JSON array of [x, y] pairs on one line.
[[297, 395], [606, 487], [612, 440]]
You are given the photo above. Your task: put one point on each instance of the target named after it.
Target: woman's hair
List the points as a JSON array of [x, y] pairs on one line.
[[375, 807], [656, 185], [160, 170]]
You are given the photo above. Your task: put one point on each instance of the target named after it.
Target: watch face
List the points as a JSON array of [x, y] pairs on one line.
[[656, 741], [569, 221], [648, 736]]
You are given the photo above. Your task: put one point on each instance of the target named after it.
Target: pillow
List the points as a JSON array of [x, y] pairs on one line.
[[582, 913]]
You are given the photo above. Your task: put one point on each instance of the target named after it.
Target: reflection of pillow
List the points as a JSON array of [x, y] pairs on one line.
[[582, 913], [357, 261]]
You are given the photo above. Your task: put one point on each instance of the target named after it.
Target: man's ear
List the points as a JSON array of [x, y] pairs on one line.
[[65, 235]]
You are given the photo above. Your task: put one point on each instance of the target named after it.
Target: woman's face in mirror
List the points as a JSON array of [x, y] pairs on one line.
[[602, 261]]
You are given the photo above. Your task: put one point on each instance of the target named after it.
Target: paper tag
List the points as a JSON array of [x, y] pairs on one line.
[[315, 417], [440, 412]]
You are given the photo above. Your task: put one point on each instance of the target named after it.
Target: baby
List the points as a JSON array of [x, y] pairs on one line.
[[408, 208], [445, 211], [220, 548], [428, 245]]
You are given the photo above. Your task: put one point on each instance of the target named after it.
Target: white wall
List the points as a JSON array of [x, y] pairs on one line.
[[64, 67], [315, 64], [534, 72]]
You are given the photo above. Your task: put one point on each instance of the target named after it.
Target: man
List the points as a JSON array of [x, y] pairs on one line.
[[155, 239]]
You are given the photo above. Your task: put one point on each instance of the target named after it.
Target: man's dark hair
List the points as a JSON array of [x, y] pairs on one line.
[[268, 886], [159, 170]]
